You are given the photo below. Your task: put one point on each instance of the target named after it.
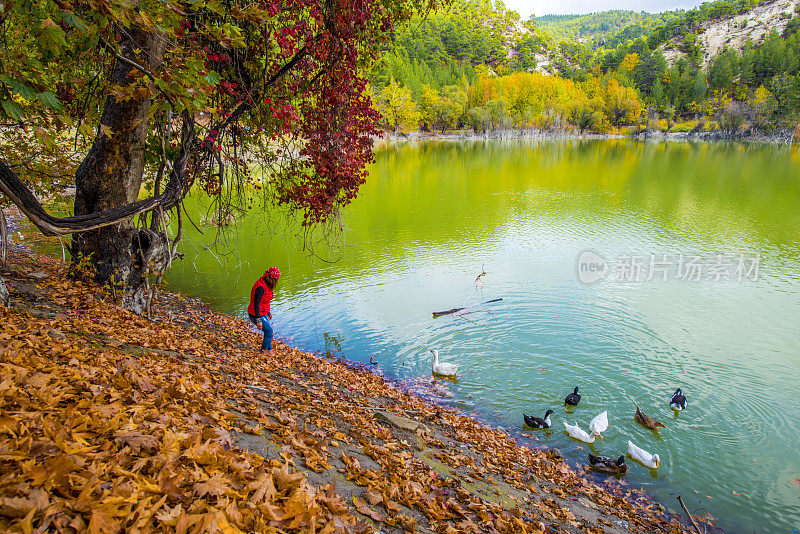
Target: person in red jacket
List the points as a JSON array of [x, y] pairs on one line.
[[260, 297]]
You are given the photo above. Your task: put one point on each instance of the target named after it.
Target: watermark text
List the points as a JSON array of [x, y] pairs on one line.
[[593, 267]]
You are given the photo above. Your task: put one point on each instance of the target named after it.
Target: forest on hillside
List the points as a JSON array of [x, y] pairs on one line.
[[476, 65], [602, 25]]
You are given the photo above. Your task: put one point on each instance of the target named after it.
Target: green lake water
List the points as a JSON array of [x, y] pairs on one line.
[[432, 216]]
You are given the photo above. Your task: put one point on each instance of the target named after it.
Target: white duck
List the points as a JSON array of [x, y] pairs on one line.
[[576, 432], [444, 369], [642, 456], [599, 424]]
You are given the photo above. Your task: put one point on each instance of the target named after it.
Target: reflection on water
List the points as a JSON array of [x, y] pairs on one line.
[[433, 216]]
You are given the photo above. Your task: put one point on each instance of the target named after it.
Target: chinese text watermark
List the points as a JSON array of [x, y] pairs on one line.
[[592, 267]]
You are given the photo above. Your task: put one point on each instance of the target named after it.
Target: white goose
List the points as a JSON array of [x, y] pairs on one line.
[[444, 369], [599, 424], [642, 456], [575, 431]]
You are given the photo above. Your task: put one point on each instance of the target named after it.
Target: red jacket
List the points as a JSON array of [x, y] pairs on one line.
[[263, 305]]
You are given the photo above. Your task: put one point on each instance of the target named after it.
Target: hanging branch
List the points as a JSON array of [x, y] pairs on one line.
[[174, 191], [244, 105]]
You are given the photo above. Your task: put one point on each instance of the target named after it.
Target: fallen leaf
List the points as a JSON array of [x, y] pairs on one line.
[[373, 497], [138, 441], [15, 506], [361, 506], [216, 485]]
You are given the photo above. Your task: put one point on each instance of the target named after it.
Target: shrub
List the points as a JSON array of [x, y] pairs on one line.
[[683, 127]]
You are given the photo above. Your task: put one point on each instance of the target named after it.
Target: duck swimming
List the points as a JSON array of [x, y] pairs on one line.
[[599, 424], [642, 456], [678, 401], [574, 431], [573, 398], [535, 422], [647, 421], [603, 464], [444, 369]]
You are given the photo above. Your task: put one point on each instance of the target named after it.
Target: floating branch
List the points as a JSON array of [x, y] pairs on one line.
[[454, 310]]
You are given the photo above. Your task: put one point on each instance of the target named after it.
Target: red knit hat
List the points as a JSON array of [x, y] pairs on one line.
[[273, 272]]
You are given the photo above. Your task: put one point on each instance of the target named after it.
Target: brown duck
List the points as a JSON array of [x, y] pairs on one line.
[[647, 421]]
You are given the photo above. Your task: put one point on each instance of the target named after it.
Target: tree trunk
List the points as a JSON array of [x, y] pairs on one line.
[[3, 293], [3, 245], [111, 176]]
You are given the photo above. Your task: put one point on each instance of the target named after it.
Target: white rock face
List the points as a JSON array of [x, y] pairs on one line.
[[755, 24], [734, 32]]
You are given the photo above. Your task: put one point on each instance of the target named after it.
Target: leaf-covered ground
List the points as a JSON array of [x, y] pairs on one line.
[[110, 422]]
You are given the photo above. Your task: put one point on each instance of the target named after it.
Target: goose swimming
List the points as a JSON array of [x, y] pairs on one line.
[[443, 369]]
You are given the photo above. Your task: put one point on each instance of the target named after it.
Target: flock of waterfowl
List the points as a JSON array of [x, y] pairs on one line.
[[599, 424]]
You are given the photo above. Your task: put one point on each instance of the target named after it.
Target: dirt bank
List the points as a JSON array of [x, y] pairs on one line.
[[110, 422]]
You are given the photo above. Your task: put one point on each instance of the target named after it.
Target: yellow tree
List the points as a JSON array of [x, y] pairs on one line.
[[761, 108], [624, 72], [442, 110], [622, 103], [397, 107]]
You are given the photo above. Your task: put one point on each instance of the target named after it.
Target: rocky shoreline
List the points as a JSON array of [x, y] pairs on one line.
[[782, 137]]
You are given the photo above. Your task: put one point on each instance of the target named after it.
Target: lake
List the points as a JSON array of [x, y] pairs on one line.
[[693, 254]]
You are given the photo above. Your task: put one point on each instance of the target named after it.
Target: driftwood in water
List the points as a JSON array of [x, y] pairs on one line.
[[454, 310], [696, 528]]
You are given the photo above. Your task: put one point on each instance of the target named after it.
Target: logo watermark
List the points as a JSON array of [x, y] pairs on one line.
[[592, 267]]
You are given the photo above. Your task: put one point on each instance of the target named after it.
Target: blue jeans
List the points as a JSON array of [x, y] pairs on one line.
[[266, 329]]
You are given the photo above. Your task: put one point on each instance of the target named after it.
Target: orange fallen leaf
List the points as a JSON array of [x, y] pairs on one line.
[[361, 506], [137, 441], [15, 506], [216, 485], [373, 497]]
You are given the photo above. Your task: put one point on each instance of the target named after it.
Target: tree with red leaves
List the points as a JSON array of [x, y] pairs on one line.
[[169, 95]]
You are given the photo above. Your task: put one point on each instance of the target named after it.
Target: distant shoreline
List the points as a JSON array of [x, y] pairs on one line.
[[782, 137]]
